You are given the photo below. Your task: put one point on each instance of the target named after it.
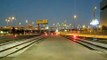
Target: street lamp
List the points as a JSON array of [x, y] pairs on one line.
[[13, 18], [95, 21], [20, 23], [26, 21], [10, 19], [75, 17], [94, 12], [7, 20]]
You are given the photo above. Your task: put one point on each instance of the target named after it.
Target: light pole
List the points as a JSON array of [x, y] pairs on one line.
[[10, 19], [74, 18], [26, 21], [94, 22], [94, 12], [7, 20], [20, 23]]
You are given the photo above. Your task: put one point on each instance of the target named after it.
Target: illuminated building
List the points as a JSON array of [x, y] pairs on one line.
[[103, 15]]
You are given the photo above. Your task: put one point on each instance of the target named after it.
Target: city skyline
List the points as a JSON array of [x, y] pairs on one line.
[[53, 10]]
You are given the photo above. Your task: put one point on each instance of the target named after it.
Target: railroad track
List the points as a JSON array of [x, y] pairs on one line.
[[16, 48], [89, 44], [6, 43]]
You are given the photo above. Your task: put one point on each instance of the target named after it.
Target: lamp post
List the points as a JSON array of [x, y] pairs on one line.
[[95, 21], [94, 12], [7, 20], [10, 19], [26, 21], [74, 18], [20, 23]]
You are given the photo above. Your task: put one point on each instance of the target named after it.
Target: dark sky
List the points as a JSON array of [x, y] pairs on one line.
[[53, 10]]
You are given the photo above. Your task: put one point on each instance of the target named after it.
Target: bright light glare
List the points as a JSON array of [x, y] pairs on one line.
[[57, 33], [94, 22], [95, 7], [1, 32], [74, 36], [56, 30], [65, 30], [47, 27], [13, 18], [45, 33], [84, 26], [15, 35], [20, 23], [26, 21], [75, 16]]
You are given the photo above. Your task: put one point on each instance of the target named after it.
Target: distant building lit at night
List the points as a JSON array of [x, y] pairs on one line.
[[103, 15]]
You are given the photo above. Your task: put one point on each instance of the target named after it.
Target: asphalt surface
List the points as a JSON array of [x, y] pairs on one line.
[[58, 48]]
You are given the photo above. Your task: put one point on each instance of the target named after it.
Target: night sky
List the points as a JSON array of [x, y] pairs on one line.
[[53, 10]]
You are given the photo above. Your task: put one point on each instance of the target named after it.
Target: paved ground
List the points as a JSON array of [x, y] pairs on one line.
[[58, 48]]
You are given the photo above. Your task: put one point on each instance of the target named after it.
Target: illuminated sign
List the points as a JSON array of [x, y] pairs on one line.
[[45, 21]]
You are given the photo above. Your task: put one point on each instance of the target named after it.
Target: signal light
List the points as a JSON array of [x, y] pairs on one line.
[[74, 36], [15, 36], [52, 34], [45, 34]]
